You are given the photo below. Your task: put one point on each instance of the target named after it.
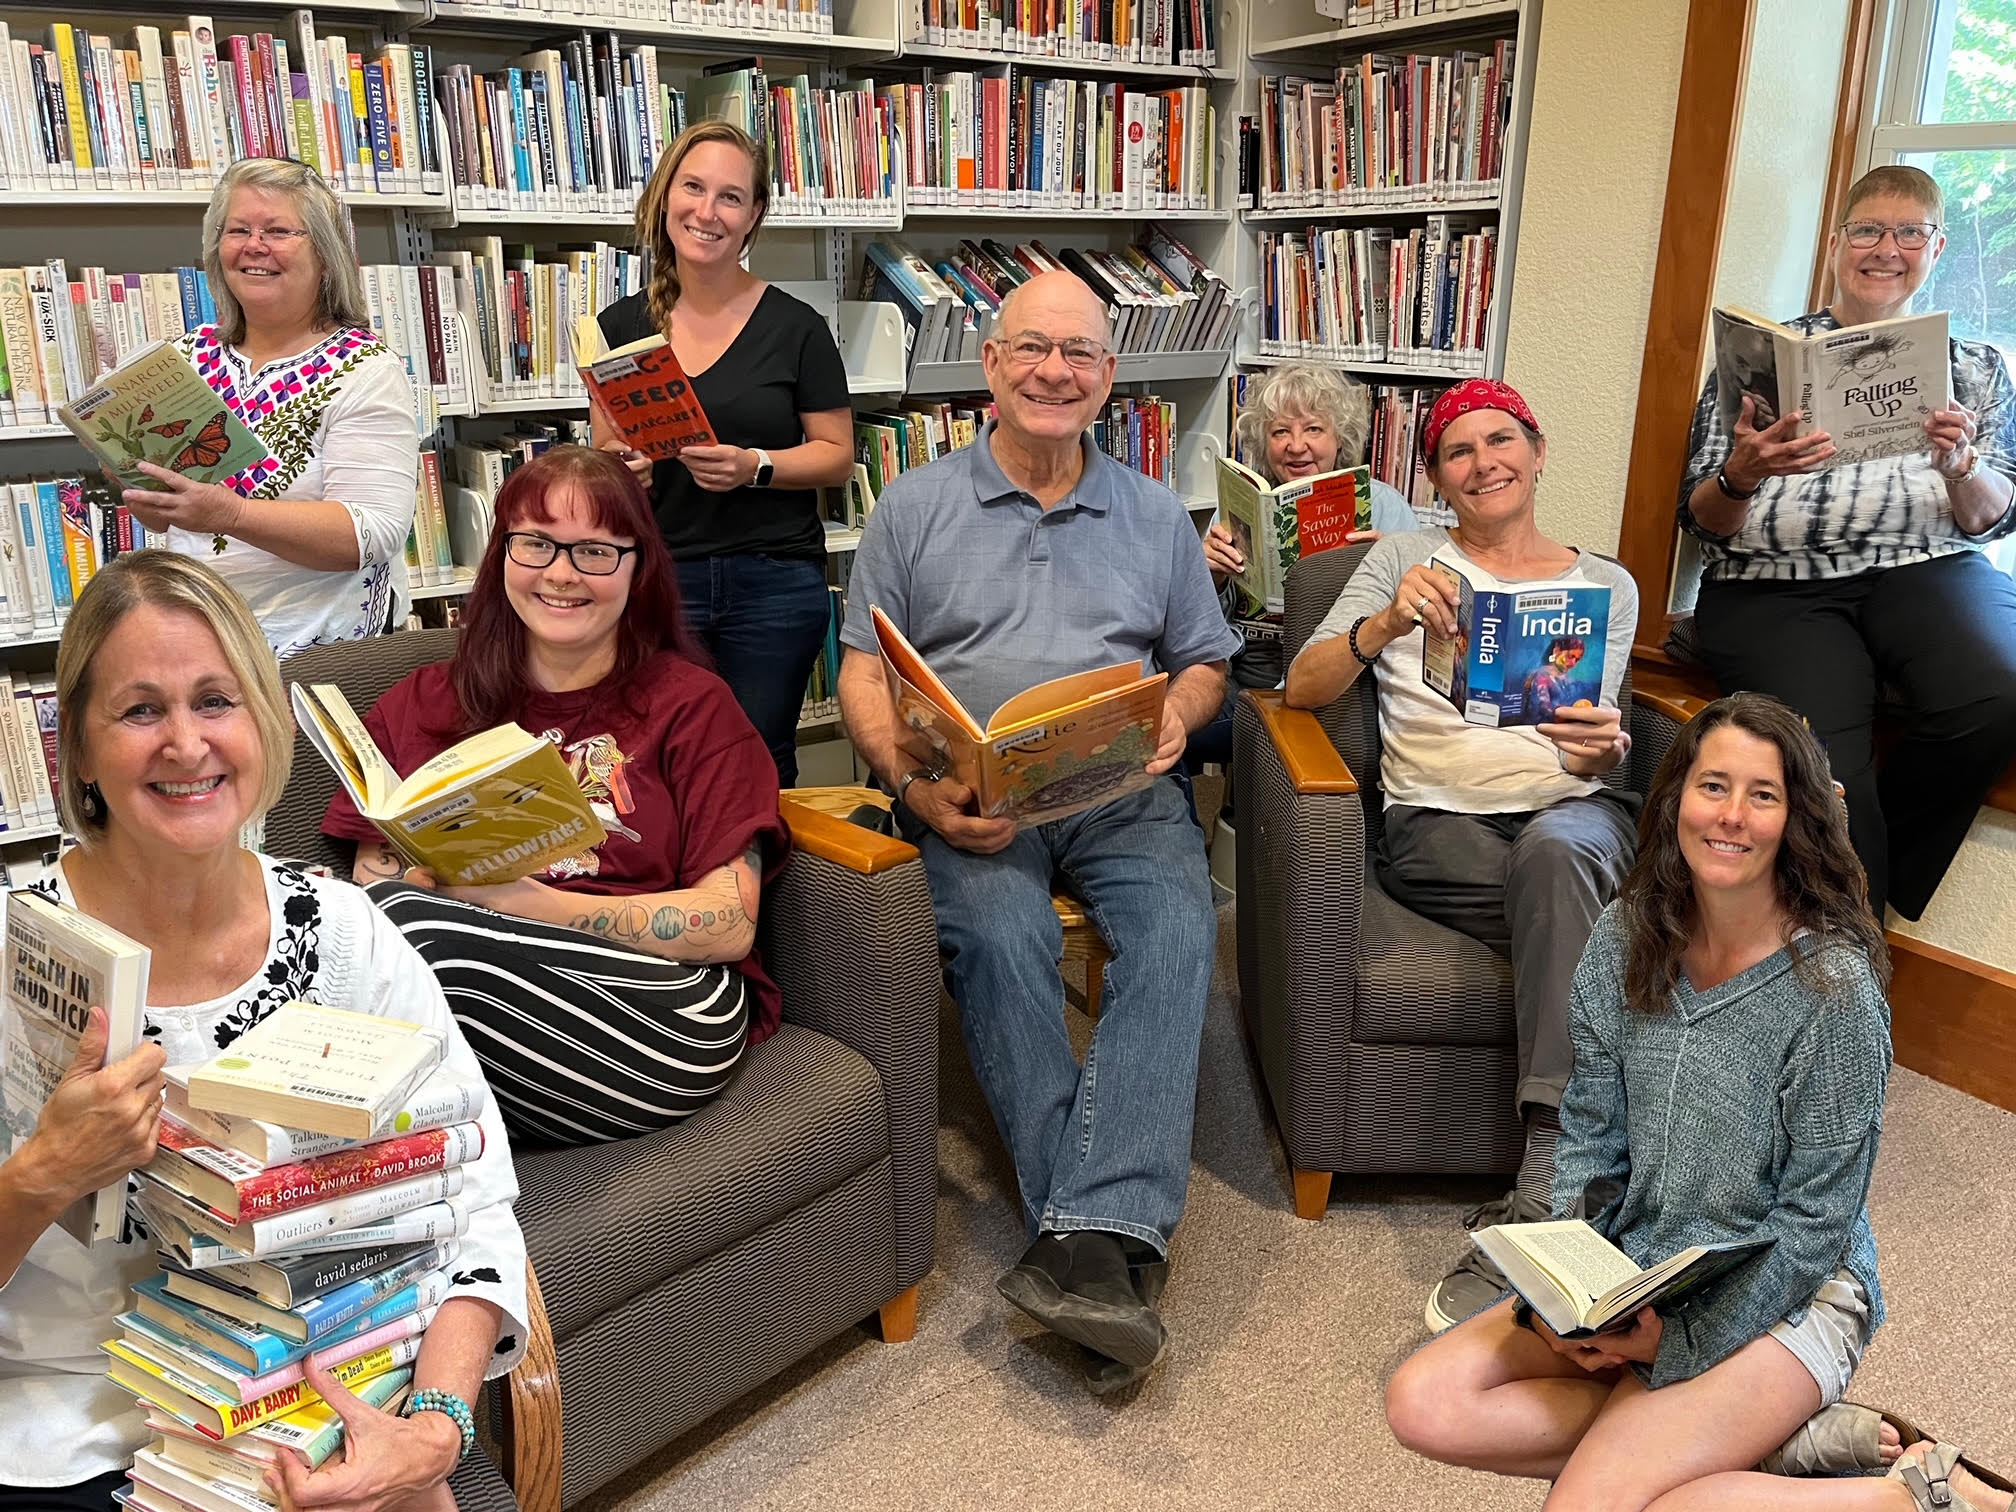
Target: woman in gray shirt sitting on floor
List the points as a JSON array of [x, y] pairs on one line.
[[1732, 1048]]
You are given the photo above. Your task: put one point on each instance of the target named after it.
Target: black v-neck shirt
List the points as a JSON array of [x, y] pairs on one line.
[[781, 364]]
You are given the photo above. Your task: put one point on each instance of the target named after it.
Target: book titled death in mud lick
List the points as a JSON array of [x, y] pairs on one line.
[[495, 807], [1053, 750]]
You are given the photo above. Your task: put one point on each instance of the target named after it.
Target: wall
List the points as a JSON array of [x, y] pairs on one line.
[[1601, 133]]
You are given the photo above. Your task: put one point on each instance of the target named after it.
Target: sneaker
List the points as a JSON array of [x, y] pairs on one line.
[[1474, 1283]]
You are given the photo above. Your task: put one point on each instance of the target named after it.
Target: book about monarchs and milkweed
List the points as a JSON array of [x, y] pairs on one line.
[[156, 408]]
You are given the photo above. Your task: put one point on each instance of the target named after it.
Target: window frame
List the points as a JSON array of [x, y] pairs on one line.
[[1894, 128]]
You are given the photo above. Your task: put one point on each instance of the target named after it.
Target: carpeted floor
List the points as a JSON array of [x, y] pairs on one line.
[[1284, 1333]]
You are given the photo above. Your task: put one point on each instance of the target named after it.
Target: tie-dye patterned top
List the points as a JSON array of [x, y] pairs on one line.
[[339, 419], [1857, 518]]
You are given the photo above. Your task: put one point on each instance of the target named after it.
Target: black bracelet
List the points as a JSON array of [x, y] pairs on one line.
[[1730, 490], [1363, 659]]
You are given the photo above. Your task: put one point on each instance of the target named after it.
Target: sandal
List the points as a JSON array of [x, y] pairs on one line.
[[1839, 1440], [1927, 1479]]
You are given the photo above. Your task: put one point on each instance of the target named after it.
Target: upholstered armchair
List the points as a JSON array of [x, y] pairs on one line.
[[1386, 1041]]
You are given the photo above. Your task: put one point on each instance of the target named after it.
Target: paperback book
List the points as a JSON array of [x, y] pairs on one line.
[[1521, 650], [1869, 387], [156, 408], [493, 808], [444, 1099], [60, 965], [642, 391], [326, 1069], [1055, 749], [1583, 1285], [1275, 526]]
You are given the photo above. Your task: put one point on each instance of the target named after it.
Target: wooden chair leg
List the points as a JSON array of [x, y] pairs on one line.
[[1312, 1194], [1095, 983], [899, 1317]]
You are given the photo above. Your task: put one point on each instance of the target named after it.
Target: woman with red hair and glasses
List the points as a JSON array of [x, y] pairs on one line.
[[613, 994]]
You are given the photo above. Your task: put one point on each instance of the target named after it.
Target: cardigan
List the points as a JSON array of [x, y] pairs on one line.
[[1753, 1108]]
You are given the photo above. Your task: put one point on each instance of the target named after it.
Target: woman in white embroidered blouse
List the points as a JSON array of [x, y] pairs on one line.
[[317, 547], [175, 733]]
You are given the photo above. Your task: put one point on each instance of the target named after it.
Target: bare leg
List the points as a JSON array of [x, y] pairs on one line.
[[1743, 1492], [1492, 1396], [1645, 1444]]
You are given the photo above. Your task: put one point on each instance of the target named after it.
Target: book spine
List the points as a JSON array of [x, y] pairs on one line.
[[359, 1209], [281, 1189], [360, 1359], [383, 167]]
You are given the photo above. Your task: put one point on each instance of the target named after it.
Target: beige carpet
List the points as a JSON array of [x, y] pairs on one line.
[[1284, 1333]]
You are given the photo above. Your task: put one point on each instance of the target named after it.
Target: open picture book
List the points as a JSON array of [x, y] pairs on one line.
[[1869, 387], [1583, 1285], [1276, 525], [155, 407], [1055, 749], [495, 807], [1521, 650], [642, 391]]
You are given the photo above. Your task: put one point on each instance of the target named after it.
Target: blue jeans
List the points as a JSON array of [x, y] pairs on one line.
[[1105, 1146], [763, 618]]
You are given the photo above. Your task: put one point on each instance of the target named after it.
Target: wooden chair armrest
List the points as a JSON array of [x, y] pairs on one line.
[[531, 1417], [844, 844], [1678, 707], [1304, 747]]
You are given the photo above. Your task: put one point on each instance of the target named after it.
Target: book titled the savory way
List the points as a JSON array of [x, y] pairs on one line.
[[1276, 525], [642, 391], [1584, 1285], [1055, 749], [1869, 387], [496, 807], [60, 965], [155, 407], [1521, 650]]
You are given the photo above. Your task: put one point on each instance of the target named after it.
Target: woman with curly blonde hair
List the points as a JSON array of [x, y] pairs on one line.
[[741, 517]]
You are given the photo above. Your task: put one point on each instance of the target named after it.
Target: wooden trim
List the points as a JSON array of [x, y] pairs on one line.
[[1678, 707], [1954, 1019], [844, 844], [1304, 748], [1848, 101], [531, 1435], [1698, 172]]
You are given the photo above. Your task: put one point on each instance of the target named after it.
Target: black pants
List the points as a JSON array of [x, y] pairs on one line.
[[1942, 636]]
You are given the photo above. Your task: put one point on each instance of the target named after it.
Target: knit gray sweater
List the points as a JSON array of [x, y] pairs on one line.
[[1751, 1109]]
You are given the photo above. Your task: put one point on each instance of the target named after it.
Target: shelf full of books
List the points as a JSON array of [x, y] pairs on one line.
[[1385, 130], [1160, 33], [727, 24], [140, 112], [1292, 32]]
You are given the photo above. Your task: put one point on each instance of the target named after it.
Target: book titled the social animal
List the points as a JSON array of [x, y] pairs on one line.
[[1521, 650]]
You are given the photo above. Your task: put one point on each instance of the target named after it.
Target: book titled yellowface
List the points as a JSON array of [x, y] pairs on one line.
[[496, 807]]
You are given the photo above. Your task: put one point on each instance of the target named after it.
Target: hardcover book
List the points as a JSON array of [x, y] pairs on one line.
[[1583, 1285], [60, 965], [1869, 387], [259, 1238], [495, 807], [314, 1432], [1055, 749], [642, 391], [155, 408], [319, 1068], [1521, 650], [313, 1319], [1275, 526], [295, 1282]]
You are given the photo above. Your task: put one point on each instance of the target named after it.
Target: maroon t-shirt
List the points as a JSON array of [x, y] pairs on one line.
[[682, 791]]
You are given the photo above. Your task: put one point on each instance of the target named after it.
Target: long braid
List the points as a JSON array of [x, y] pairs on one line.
[[662, 293]]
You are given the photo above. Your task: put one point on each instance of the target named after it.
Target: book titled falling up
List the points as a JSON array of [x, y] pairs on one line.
[[493, 808], [642, 390], [1052, 750], [155, 407]]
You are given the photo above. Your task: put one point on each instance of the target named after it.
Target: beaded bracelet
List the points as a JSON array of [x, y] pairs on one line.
[[457, 1411]]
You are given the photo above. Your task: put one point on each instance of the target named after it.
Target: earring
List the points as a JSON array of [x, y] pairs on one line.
[[93, 804]]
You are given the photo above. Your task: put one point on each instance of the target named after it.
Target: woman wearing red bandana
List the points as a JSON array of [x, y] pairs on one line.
[[1505, 834]]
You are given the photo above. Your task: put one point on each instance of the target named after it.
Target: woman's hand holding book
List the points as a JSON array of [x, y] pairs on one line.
[[184, 504], [389, 1463], [1638, 1344], [99, 1123]]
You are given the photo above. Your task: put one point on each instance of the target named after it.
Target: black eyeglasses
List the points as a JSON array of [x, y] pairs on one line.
[[1910, 236], [591, 558]]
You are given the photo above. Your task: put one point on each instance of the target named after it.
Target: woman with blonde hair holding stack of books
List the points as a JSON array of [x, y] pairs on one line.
[[174, 735]]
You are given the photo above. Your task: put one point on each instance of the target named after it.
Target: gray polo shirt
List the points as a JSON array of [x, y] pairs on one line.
[[998, 594]]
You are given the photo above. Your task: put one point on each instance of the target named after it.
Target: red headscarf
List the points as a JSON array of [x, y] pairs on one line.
[[1473, 394]]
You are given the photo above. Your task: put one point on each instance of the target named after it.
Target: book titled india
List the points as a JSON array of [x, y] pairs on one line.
[[1521, 650], [155, 408]]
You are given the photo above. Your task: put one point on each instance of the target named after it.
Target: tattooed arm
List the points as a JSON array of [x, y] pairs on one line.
[[376, 862]]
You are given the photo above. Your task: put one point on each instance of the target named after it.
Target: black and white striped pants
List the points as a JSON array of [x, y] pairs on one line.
[[581, 1040]]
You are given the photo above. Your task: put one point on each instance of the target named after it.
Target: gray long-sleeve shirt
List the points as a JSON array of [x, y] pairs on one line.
[[1751, 1109]]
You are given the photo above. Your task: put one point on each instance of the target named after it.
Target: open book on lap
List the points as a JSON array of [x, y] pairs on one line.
[[1583, 1285]]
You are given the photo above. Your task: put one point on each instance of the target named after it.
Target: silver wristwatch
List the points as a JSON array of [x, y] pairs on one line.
[[917, 774]]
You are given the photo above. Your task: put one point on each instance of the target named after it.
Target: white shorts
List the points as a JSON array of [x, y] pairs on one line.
[[1830, 1339]]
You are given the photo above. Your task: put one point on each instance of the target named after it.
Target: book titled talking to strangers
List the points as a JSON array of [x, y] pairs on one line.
[[1521, 650]]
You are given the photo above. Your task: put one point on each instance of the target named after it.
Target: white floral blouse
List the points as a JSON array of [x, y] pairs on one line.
[[338, 419]]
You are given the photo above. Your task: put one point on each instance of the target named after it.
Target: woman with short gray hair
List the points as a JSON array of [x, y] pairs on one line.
[[315, 537]]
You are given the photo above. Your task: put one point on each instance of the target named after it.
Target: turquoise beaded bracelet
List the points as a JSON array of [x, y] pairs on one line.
[[457, 1410]]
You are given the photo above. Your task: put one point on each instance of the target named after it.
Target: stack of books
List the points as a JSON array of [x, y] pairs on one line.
[[328, 1237]]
